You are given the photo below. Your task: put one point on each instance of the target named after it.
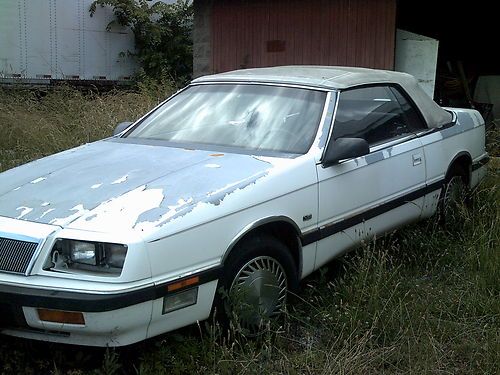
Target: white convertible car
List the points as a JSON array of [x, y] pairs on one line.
[[244, 181]]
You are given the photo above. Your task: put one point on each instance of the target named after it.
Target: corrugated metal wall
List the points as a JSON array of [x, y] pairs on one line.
[[255, 33], [49, 40]]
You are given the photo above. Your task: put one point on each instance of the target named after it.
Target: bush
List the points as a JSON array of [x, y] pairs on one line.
[[163, 36]]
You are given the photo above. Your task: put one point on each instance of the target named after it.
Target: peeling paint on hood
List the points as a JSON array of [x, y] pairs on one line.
[[108, 185]]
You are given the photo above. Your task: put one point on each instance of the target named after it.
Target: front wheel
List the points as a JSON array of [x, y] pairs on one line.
[[257, 277]]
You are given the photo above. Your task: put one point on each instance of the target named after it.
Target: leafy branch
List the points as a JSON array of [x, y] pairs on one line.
[[163, 35]]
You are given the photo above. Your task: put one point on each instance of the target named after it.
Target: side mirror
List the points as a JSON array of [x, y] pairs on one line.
[[121, 127], [344, 148]]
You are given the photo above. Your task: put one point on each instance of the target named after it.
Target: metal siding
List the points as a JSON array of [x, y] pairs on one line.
[[69, 16], [40, 35], [12, 48], [316, 32], [57, 39]]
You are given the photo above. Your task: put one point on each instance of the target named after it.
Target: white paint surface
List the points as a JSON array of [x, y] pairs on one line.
[[38, 180], [123, 211], [417, 55], [120, 180], [24, 211]]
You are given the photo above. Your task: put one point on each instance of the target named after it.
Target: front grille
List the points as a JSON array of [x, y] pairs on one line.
[[15, 255]]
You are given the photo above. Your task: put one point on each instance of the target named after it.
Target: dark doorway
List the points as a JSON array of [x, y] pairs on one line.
[[468, 37]]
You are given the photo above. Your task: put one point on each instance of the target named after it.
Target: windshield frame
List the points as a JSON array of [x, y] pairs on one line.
[[125, 138]]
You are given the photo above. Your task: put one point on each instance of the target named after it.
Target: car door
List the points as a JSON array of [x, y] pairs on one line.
[[371, 194]]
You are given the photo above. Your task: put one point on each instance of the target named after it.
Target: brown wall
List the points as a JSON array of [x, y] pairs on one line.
[[202, 37], [254, 33]]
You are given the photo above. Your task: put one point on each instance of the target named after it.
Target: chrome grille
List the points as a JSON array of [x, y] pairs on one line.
[[16, 255]]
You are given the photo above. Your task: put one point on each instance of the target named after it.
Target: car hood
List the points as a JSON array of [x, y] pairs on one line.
[[109, 183]]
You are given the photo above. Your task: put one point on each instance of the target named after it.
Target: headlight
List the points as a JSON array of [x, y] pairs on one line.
[[83, 252], [86, 256]]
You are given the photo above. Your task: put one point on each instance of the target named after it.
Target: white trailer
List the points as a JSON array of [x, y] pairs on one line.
[[42, 41]]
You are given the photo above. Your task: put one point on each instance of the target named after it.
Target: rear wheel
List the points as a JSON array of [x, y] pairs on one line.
[[454, 197], [257, 277]]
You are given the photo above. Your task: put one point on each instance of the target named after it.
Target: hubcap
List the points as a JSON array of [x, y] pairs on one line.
[[258, 291]]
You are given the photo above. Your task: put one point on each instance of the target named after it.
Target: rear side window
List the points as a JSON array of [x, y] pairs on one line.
[[372, 113], [412, 117]]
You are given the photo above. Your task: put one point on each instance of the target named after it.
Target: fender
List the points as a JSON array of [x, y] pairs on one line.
[[259, 223], [455, 158]]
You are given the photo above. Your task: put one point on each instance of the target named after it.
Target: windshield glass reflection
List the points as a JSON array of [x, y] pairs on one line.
[[256, 117]]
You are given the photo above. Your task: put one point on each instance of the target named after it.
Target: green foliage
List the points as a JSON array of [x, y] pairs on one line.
[[110, 364], [163, 35]]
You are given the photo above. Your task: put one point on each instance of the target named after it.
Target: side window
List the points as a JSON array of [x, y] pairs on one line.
[[372, 113], [413, 119]]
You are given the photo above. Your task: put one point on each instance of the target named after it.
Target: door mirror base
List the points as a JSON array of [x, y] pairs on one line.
[[344, 148]]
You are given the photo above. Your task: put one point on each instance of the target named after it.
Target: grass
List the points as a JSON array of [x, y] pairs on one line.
[[35, 124], [419, 301]]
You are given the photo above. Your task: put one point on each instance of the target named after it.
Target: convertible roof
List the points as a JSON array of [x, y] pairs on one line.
[[338, 78]]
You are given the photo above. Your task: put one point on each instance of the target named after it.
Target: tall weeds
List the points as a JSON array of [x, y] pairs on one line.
[[34, 124]]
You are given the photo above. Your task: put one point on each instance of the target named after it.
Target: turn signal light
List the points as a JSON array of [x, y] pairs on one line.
[[184, 283], [59, 316]]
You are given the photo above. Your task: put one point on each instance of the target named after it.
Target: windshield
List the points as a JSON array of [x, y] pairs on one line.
[[252, 117]]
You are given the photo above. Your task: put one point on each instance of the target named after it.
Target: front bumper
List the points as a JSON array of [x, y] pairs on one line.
[[111, 328], [110, 319]]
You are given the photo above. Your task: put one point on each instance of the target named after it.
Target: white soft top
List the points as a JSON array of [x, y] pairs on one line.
[[338, 78]]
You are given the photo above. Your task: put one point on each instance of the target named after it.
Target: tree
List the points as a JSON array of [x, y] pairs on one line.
[[163, 35]]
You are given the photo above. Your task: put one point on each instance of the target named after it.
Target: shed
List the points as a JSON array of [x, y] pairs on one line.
[[235, 34]]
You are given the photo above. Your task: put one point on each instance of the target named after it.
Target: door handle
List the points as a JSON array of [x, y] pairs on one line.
[[417, 159]]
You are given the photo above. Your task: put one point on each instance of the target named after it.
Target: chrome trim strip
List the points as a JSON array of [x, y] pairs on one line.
[[36, 254], [426, 131], [326, 123], [141, 285], [262, 83], [392, 143], [383, 146], [322, 123], [19, 237], [332, 123]]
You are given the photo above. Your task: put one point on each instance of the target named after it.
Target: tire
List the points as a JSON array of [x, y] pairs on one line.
[[454, 197], [257, 276]]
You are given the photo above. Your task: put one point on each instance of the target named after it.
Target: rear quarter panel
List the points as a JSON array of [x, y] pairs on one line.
[[442, 147]]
